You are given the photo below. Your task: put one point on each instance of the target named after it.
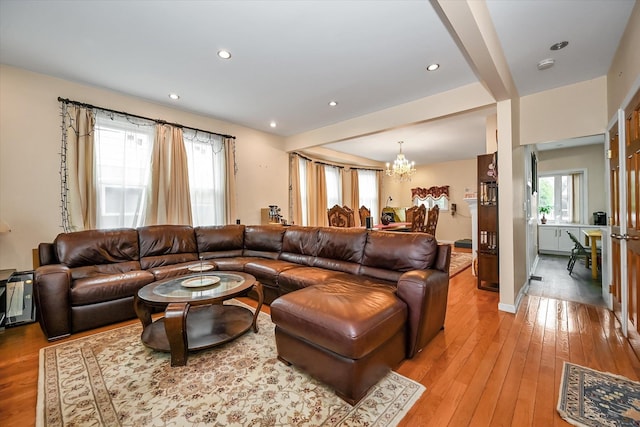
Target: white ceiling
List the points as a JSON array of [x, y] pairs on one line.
[[290, 58]]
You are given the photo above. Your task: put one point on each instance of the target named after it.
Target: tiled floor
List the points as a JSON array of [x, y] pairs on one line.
[[557, 283]]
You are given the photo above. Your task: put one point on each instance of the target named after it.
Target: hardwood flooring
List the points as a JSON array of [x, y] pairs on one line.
[[486, 368]]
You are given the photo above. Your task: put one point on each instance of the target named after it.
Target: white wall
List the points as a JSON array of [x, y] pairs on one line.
[[566, 112], [625, 67], [29, 157]]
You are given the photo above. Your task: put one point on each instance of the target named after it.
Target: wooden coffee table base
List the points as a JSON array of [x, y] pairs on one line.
[[185, 328]]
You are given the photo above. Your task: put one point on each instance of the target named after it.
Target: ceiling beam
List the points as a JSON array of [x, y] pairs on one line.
[[471, 27]]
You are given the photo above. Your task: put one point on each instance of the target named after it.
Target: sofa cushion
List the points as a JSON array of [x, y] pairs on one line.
[[93, 270], [166, 244], [220, 241], [348, 319], [175, 270], [341, 249], [107, 287], [302, 277], [300, 245], [92, 247], [263, 241], [268, 270], [399, 252]]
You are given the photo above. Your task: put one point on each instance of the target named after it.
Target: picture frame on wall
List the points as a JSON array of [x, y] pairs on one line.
[[534, 173]]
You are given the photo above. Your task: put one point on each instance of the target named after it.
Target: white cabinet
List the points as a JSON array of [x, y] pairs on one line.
[[554, 239]]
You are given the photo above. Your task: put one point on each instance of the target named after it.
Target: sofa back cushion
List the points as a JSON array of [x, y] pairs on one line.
[[95, 247], [221, 241], [166, 245], [300, 245], [341, 249], [398, 252], [263, 240]]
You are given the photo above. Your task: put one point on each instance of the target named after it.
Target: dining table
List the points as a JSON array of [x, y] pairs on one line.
[[591, 239], [393, 226]]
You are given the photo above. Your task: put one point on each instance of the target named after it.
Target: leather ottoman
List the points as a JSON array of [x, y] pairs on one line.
[[347, 336]]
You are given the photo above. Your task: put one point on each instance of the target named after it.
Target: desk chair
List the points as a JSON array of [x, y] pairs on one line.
[[578, 251]]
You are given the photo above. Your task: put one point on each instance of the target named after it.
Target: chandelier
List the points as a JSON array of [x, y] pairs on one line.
[[402, 170]]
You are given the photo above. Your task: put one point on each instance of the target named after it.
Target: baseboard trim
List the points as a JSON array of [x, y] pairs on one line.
[[513, 308]]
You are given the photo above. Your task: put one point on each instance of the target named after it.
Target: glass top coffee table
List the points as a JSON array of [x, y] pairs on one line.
[[195, 316]]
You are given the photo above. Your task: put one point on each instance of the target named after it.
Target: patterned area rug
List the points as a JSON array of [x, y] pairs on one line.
[[593, 398], [112, 379], [459, 262]]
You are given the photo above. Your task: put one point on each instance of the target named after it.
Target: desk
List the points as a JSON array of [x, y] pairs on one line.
[[591, 239]]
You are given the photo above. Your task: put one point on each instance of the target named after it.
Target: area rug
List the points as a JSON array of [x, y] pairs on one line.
[[459, 262], [112, 379], [594, 398]]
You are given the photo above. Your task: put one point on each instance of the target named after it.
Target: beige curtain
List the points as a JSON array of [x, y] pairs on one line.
[[231, 194], [296, 198], [169, 201], [321, 196], [379, 176], [355, 195], [80, 209]]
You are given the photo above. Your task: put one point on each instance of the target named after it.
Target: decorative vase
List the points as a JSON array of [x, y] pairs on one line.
[[543, 219]]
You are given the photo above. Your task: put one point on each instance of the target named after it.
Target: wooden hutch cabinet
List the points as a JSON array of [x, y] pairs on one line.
[[488, 271]]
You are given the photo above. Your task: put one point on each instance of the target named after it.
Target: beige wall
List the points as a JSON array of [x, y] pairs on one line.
[[589, 157], [565, 112], [30, 160], [625, 67], [450, 102], [459, 175]]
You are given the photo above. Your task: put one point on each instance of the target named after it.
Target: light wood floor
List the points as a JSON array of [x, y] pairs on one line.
[[487, 368]]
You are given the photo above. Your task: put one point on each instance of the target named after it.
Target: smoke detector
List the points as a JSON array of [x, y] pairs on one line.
[[546, 64]]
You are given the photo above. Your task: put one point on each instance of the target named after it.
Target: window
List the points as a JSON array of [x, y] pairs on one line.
[[122, 170], [368, 191], [334, 186], [206, 165], [442, 202], [562, 193]]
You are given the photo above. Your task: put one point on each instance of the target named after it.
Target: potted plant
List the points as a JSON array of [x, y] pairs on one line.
[[544, 210]]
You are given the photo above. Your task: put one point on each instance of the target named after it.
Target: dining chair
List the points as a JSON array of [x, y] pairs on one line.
[[340, 217], [432, 220], [418, 215], [364, 213], [351, 216]]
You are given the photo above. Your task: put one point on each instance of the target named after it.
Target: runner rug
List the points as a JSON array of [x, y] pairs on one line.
[[459, 262], [112, 379], [594, 398]]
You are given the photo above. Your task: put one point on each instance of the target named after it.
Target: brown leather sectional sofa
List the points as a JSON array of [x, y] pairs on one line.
[[89, 278]]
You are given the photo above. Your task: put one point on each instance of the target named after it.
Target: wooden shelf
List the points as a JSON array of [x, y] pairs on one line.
[[488, 254]]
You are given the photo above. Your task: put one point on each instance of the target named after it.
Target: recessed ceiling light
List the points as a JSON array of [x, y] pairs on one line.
[[332, 103], [224, 54], [174, 96], [273, 124], [559, 45], [546, 64], [433, 67]]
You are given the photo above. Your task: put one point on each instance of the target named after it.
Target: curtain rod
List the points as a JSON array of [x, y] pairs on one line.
[[343, 166], [161, 122]]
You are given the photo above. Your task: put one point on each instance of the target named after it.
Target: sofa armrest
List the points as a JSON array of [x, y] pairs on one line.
[[47, 254], [51, 293], [425, 293]]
